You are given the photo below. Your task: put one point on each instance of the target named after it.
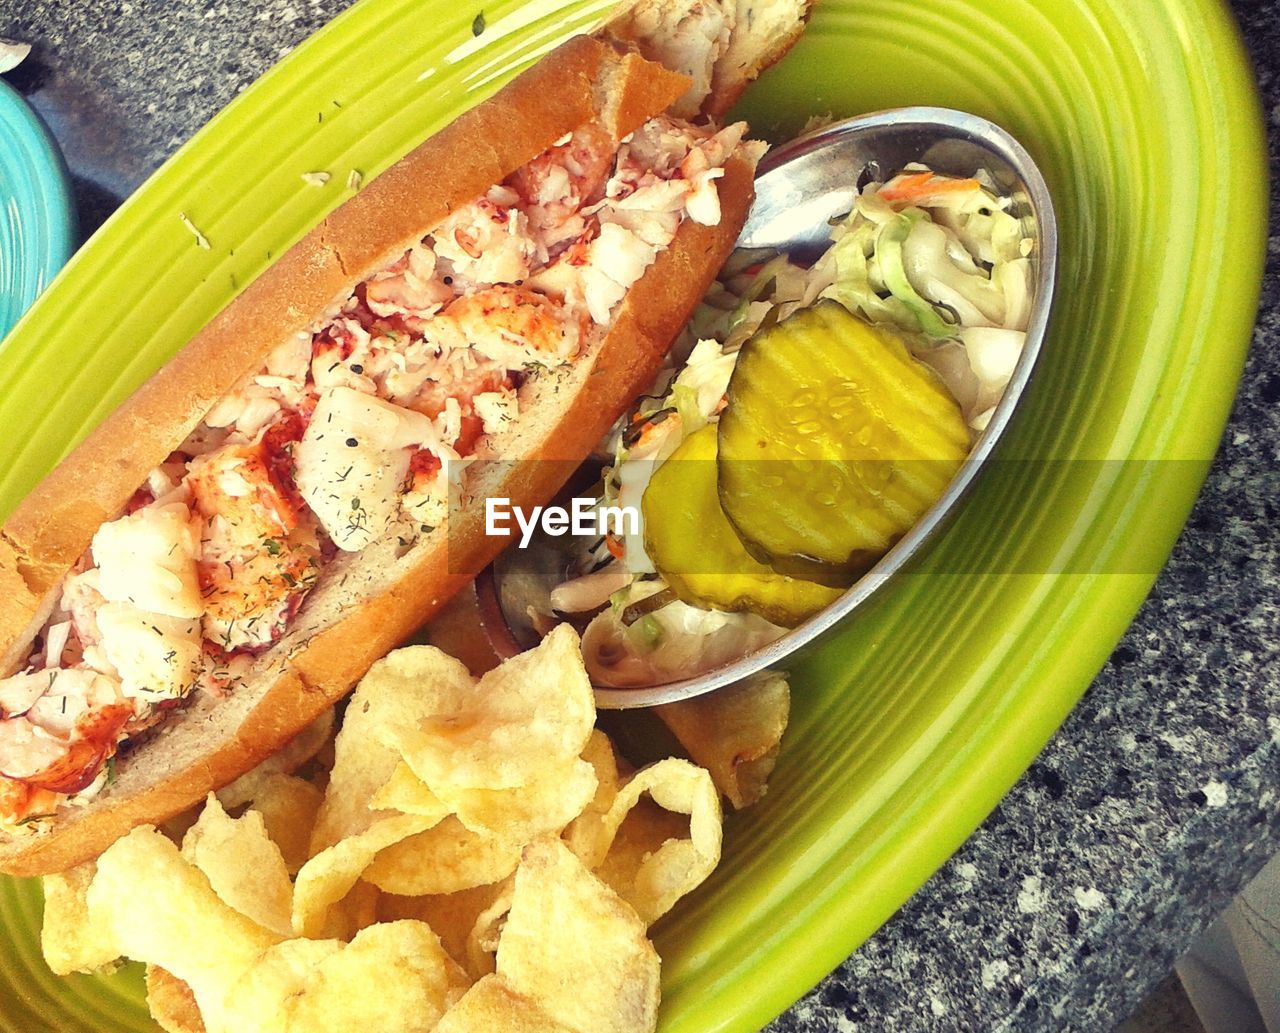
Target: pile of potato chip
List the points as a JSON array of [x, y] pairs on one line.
[[467, 855]]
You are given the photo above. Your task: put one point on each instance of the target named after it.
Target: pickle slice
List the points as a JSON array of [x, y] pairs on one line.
[[834, 442], [698, 552]]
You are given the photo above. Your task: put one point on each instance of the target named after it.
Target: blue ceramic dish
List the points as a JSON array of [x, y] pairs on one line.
[[37, 220]]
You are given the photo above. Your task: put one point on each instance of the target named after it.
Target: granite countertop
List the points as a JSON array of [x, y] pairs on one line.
[[1150, 808]]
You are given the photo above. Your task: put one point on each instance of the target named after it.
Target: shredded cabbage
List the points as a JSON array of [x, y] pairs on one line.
[[937, 258], [674, 641]]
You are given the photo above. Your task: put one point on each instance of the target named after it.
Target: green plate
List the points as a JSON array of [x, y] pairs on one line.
[[911, 723]]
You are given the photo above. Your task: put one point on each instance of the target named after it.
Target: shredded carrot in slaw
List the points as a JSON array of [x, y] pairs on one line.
[[910, 188]]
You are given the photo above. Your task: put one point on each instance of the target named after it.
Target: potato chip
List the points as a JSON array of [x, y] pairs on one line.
[[393, 977], [420, 697], [454, 917], [329, 876], [182, 925], [576, 949], [171, 1003], [520, 719], [436, 860], [482, 941], [405, 792], [244, 867], [546, 804], [643, 832], [584, 834], [264, 996], [603, 758], [734, 733], [401, 689], [443, 859], [492, 1006], [678, 865], [289, 807], [356, 911], [71, 943], [300, 749]]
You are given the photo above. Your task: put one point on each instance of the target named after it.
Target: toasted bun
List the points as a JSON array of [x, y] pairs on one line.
[[721, 45], [373, 600]]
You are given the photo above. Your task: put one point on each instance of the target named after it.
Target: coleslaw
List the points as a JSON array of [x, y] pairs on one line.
[[946, 262]]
